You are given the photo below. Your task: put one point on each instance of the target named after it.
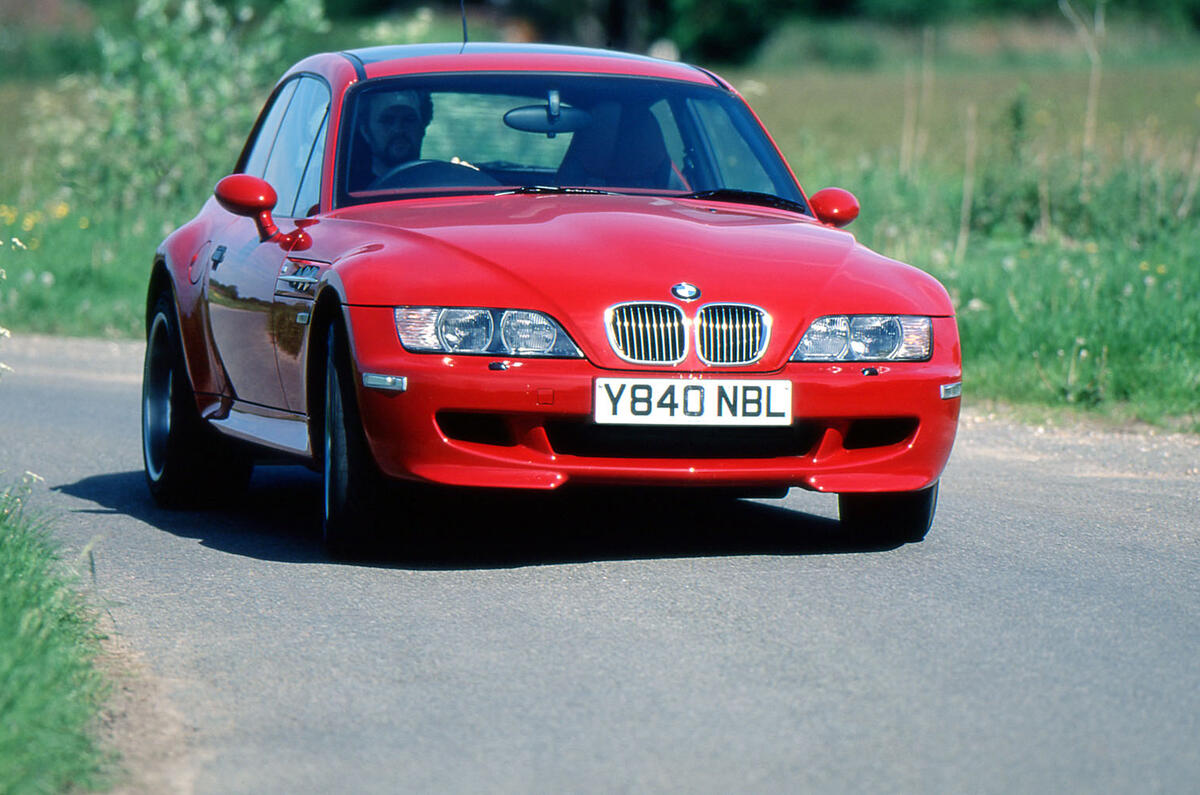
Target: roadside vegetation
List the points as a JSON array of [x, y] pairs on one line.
[[1068, 245], [1046, 171], [50, 690]]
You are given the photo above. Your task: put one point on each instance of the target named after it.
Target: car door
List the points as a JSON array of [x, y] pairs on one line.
[[298, 156], [245, 270]]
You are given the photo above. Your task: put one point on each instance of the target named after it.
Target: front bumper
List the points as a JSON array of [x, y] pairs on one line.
[[465, 420]]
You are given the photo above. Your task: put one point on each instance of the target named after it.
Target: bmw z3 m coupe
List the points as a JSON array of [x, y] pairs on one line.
[[523, 267]]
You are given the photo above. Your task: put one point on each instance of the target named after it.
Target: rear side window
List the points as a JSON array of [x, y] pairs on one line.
[[260, 148], [294, 143], [310, 186]]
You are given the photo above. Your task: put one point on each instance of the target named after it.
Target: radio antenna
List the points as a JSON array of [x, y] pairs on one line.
[[462, 4]]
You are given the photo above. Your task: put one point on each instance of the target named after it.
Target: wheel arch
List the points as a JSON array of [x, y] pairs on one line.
[[205, 373], [327, 309], [160, 282]]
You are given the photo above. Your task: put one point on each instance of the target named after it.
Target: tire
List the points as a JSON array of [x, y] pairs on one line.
[[353, 484], [889, 519], [186, 462]]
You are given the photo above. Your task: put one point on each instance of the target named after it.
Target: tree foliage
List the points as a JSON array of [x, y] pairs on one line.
[[176, 94]]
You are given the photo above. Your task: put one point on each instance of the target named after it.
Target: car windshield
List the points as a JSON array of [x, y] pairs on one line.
[[487, 133]]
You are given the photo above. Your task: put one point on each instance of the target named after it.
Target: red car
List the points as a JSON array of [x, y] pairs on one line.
[[529, 266]]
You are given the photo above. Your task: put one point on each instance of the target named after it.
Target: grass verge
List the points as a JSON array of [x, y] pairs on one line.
[[50, 690]]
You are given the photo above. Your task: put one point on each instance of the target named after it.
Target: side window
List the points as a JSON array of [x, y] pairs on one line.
[[294, 144], [310, 186], [260, 150]]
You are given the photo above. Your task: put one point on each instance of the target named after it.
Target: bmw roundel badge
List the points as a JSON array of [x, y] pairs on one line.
[[685, 291]]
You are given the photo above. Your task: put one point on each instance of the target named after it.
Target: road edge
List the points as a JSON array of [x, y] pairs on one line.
[[141, 724]]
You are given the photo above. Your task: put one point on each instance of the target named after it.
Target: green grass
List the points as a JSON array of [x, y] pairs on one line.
[[971, 44], [1084, 326], [1062, 301], [824, 119], [50, 691], [78, 275]]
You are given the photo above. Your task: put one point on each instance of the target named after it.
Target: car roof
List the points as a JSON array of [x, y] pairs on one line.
[[403, 59]]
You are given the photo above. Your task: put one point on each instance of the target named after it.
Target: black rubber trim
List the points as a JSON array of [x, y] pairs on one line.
[[360, 71], [718, 81]]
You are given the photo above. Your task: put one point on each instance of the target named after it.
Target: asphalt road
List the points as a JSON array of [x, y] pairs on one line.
[[1045, 637]]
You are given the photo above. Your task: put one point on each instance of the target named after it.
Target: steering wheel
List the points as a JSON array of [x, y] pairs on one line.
[[432, 174]]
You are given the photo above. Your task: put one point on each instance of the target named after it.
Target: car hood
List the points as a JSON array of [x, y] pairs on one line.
[[575, 255]]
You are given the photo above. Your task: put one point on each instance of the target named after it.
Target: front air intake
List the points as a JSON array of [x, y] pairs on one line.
[[647, 333], [731, 334]]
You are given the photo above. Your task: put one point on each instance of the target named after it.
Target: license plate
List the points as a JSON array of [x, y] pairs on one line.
[[674, 401]]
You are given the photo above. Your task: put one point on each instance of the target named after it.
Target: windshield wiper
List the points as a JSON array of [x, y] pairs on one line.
[[748, 197], [550, 189]]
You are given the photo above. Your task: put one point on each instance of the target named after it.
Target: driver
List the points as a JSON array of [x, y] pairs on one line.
[[392, 126]]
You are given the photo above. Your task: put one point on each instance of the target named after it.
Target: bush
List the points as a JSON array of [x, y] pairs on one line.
[[800, 43], [121, 157], [32, 53], [721, 30], [172, 103], [913, 12]]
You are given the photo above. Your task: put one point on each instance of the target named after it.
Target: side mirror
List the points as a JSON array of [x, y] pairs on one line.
[[243, 194], [834, 206]]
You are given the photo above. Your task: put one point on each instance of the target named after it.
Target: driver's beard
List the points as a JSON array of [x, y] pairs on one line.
[[399, 149]]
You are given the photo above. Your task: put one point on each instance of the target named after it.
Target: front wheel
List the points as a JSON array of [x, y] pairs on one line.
[[889, 518], [353, 485]]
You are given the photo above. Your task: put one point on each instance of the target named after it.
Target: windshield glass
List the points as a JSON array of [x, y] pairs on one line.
[[474, 133]]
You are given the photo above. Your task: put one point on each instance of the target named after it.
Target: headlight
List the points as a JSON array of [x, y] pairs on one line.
[[505, 332], [866, 338], [527, 333], [465, 330]]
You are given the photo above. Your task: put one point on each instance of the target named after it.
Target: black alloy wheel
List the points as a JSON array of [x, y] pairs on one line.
[[353, 484]]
